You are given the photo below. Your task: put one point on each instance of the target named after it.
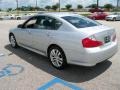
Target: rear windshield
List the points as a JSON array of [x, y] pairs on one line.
[[80, 21]]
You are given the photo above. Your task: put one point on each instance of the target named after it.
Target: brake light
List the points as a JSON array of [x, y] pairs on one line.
[[90, 43]]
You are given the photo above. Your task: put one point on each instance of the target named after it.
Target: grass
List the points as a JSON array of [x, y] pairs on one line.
[[85, 14]]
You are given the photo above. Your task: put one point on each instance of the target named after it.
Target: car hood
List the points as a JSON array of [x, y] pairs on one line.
[[93, 30]]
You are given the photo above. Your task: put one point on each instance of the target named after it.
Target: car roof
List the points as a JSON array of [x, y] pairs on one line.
[[58, 14]]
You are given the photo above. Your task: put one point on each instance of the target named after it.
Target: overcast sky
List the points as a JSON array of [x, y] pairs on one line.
[[43, 3]]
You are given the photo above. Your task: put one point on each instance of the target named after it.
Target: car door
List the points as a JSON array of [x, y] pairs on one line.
[[24, 34], [42, 35]]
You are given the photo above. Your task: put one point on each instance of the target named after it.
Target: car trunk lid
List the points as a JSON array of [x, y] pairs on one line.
[[101, 33]]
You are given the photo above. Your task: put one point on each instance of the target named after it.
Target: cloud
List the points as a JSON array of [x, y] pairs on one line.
[[55, 1]]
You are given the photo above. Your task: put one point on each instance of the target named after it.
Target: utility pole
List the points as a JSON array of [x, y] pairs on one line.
[[17, 7], [118, 1], [59, 6], [36, 4], [97, 4]]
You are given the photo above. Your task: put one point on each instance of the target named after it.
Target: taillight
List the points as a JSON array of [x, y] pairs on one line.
[[91, 42]]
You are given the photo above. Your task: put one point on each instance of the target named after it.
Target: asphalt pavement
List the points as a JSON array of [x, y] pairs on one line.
[[21, 69]]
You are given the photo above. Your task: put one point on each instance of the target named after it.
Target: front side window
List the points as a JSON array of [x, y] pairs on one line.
[[30, 23], [80, 21], [43, 23]]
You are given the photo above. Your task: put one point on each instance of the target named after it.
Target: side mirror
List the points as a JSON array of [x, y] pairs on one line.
[[20, 26]]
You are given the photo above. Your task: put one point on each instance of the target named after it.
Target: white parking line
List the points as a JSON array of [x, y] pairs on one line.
[[1, 54]]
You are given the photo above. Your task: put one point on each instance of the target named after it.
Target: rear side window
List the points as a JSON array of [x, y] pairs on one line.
[[80, 21], [44, 22]]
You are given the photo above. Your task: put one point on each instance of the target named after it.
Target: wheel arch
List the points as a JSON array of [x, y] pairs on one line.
[[55, 45], [10, 34], [114, 18]]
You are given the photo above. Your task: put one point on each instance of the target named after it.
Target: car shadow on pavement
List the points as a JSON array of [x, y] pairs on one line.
[[73, 73]]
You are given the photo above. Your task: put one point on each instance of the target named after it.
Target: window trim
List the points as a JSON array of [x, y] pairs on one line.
[[74, 25], [56, 19], [45, 17], [28, 21]]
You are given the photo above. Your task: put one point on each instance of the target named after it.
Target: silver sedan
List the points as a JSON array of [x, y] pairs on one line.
[[113, 17], [66, 38]]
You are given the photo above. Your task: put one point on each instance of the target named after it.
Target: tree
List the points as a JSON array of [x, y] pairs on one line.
[[9, 9], [79, 7], [93, 6], [55, 7], [68, 6], [0, 3], [30, 8], [48, 7], [108, 6]]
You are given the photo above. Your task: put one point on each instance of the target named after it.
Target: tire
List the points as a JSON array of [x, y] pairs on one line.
[[12, 40], [107, 20], [18, 18], [114, 19], [11, 18], [57, 57]]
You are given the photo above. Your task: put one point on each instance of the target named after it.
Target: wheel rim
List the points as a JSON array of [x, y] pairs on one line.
[[12, 40], [56, 58]]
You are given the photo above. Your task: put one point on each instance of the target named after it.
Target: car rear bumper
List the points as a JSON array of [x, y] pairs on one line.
[[95, 55]]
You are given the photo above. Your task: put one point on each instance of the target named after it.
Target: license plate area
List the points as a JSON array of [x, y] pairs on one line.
[[107, 39]]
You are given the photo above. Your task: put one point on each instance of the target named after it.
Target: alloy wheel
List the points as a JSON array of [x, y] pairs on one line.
[[56, 58]]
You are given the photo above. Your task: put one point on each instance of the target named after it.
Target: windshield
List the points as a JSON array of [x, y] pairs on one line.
[[80, 21]]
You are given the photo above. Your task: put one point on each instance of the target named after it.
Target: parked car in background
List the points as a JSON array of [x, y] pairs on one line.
[[96, 10], [114, 16], [66, 38], [23, 16], [40, 12], [8, 17], [1, 17], [98, 16]]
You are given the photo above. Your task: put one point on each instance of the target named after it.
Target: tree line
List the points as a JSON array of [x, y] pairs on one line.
[[55, 7]]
